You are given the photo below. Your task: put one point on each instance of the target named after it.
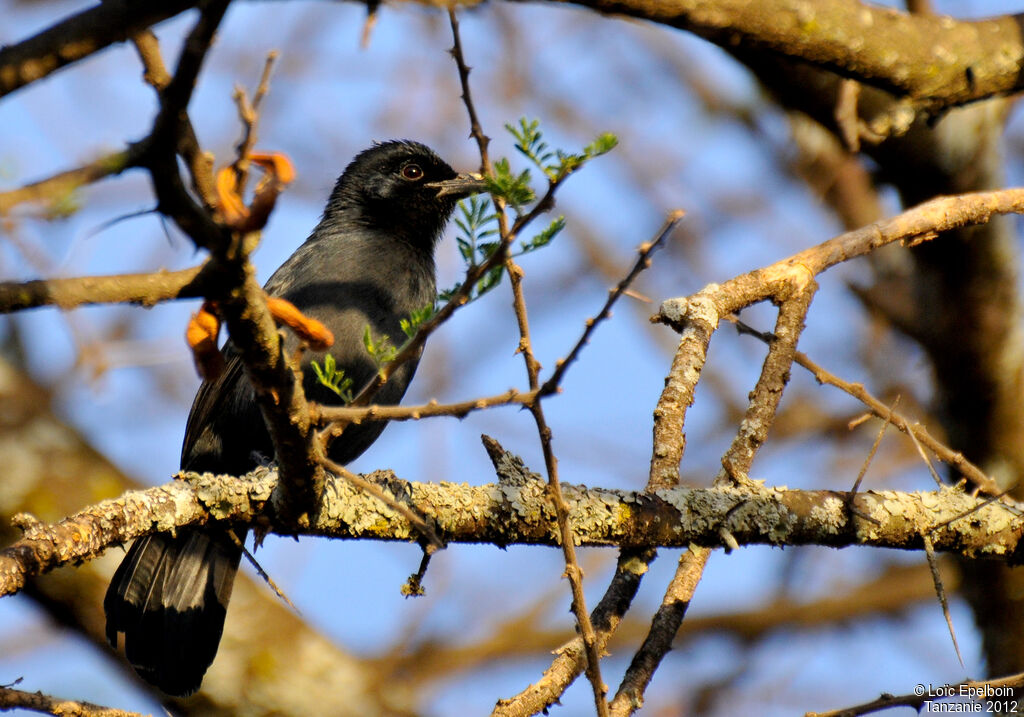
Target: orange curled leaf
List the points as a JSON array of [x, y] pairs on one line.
[[279, 173], [276, 165], [201, 336], [309, 330], [229, 203]]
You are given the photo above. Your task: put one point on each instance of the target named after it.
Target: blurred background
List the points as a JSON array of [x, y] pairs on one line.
[[770, 631]]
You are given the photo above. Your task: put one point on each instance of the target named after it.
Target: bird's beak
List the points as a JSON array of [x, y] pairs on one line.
[[462, 186]]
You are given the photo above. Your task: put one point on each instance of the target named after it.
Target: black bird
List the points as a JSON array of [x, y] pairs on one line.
[[370, 261]]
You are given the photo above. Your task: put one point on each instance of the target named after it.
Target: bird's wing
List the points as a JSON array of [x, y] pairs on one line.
[[219, 404]]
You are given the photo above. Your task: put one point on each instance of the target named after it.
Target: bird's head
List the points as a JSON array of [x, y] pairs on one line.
[[401, 188]]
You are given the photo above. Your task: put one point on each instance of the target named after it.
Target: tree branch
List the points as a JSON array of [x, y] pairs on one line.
[[935, 62], [918, 224], [144, 289], [79, 36], [506, 513]]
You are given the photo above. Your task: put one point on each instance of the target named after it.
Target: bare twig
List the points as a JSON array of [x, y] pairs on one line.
[[248, 113], [1014, 507], [264, 575], [508, 235], [79, 36], [925, 459], [643, 261], [567, 537], [978, 688], [761, 409], [624, 583], [570, 657], [171, 125], [923, 222], [353, 414], [764, 399], [433, 542], [664, 627], [475, 130], [63, 183], [199, 163]]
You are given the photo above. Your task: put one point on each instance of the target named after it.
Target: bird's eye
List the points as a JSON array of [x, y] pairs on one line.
[[412, 172]]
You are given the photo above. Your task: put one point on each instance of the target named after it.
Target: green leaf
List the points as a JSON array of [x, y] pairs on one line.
[[488, 248], [368, 341], [604, 143], [443, 297], [476, 221], [545, 237], [333, 378], [514, 188], [411, 325], [489, 280], [465, 248]]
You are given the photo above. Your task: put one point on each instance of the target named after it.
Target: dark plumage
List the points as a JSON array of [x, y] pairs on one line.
[[370, 261]]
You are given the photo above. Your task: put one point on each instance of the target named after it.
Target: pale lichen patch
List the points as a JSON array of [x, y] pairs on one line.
[[830, 515]]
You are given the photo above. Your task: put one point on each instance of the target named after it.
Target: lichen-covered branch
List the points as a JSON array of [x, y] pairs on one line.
[[506, 513], [38, 702], [918, 224]]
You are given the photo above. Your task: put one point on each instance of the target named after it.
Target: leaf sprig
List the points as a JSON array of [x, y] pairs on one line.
[[556, 164], [334, 378], [477, 222]]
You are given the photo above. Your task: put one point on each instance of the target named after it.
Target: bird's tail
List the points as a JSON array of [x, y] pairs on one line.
[[169, 597]]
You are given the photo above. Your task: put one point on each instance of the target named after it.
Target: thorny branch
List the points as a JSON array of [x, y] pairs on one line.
[[573, 572], [643, 261], [566, 537], [944, 453], [356, 414]]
